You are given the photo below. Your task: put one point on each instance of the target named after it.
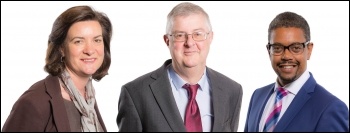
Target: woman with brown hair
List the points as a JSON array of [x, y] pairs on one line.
[[78, 51]]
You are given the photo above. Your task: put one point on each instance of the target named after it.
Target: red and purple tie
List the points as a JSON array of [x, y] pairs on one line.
[[273, 117]]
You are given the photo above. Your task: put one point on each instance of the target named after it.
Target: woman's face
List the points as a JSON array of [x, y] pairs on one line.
[[84, 45]]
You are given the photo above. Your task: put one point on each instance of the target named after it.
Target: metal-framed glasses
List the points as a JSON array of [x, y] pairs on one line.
[[294, 48], [196, 36]]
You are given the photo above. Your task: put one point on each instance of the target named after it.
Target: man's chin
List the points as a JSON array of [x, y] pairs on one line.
[[286, 79]]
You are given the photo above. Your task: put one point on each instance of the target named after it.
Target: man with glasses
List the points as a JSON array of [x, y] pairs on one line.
[[295, 102], [183, 94]]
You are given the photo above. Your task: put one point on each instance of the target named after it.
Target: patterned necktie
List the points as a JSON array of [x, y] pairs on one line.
[[193, 120], [273, 117]]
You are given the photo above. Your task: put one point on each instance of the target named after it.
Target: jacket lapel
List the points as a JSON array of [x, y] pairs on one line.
[[161, 90], [264, 98], [58, 108], [219, 98], [297, 104]]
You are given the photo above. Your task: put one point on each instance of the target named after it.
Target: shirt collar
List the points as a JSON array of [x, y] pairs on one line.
[[296, 85], [179, 82]]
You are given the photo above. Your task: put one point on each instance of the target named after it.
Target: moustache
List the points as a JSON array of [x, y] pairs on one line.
[[288, 63]]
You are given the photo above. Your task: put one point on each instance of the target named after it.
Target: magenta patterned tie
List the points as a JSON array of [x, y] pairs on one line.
[[193, 120], [273, 117]]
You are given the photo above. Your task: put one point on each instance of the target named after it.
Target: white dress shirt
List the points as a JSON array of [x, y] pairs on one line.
[[292, 88]]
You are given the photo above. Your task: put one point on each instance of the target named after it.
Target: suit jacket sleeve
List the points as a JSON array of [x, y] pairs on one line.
[[25, 116], [128, 119], [335, 118], [235, 120]]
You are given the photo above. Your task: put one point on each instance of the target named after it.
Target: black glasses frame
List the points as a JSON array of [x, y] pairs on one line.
[[268, 46]]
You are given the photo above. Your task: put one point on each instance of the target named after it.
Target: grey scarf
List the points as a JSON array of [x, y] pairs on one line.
[[86, 108]]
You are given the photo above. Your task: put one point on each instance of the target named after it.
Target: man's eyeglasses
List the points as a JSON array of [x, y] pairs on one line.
[[294, 48], [196, 36]]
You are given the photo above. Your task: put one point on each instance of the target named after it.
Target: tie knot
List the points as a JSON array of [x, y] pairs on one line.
[[191, 90], [281, 92]]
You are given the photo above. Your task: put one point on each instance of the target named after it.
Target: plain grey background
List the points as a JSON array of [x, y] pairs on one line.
[[137, 47]]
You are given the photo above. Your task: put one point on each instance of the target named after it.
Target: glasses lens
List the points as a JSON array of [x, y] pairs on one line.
[[276, 49], [180, 36], [296, 48], [199, 36]]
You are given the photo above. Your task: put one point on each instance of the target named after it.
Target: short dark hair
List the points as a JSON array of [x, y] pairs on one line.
[[290, 19], [53, 64]]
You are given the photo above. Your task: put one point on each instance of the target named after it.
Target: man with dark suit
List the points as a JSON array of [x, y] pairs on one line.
[[157, 101], [295, 102]]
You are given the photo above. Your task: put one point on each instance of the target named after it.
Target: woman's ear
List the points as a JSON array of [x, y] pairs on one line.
[[62, 51]]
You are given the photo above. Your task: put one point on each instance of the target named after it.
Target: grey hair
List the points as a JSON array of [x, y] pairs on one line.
[[185, 9]]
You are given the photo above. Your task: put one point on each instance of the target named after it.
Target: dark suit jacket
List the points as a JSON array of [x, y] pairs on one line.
[[41, 109], [313, 109], [147, 104]]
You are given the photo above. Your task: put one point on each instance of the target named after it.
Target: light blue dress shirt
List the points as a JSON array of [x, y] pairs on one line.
[[203, 97]]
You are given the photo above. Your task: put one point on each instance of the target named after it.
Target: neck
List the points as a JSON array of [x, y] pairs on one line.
[[79, 81], [191, 75]]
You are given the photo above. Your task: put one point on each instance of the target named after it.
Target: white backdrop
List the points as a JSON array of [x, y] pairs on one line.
[[137, 47]]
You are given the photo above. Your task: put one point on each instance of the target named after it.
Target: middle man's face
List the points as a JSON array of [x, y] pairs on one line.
[[190, 53]]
